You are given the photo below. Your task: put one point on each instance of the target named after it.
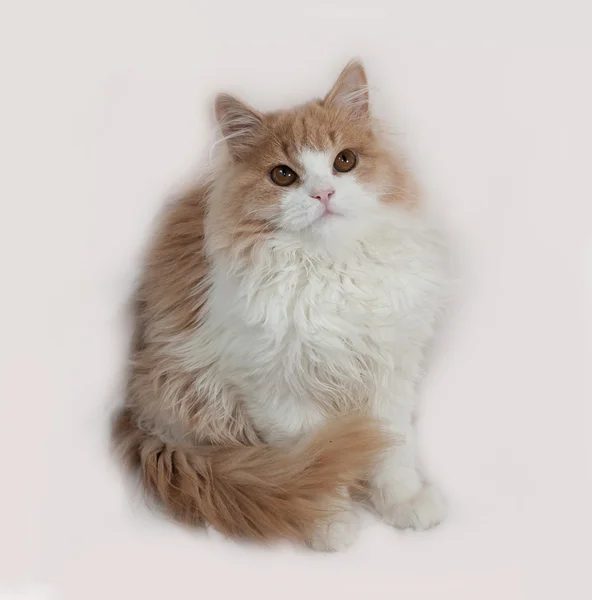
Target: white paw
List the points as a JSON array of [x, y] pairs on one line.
[[424, 510], [336, 533]]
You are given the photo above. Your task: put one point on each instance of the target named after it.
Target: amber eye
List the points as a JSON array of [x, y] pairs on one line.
[[345, 161], [282, 175]]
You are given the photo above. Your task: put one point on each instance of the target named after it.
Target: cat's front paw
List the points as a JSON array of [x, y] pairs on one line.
[[337, 532], [425, 509]]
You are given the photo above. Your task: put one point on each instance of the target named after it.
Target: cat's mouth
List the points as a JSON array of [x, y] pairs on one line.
[[328, 214]]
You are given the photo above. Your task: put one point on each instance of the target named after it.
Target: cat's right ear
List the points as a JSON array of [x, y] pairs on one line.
[[241, 126]]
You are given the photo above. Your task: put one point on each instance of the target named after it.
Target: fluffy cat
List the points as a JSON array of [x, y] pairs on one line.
[[281, 322]]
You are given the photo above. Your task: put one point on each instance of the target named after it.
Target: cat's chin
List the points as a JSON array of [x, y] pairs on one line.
[[327, 219], [330, 226], [335, 235], [338, 227]]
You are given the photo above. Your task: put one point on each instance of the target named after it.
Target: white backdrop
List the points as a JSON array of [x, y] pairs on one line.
[[106, 110]]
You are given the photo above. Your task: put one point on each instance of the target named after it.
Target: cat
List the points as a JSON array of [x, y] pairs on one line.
[[281, 323]]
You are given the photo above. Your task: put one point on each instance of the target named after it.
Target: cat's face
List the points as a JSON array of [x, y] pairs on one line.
[[316, 171]]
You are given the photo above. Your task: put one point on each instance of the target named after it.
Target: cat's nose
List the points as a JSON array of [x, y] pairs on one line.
[[323, 195]]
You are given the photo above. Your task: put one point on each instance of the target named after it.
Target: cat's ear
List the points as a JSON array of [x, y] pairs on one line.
[[241, 126], [351, 90]]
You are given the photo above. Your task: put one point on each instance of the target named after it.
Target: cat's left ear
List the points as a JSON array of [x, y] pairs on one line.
[[350, 91]]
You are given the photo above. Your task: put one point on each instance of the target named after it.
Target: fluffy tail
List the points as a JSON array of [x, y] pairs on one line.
[[259, 492]]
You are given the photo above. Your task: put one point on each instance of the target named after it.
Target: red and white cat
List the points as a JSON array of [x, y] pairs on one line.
[[281, 323]]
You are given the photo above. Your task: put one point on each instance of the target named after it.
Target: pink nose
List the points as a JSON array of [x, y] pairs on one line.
[[323, 195]]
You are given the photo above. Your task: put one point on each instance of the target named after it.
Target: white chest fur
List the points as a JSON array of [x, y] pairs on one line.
[[317, 331]]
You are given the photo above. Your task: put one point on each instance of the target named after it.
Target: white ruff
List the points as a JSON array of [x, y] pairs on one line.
[[303, 335]]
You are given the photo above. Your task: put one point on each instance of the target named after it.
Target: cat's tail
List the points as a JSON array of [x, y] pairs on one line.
[[260, 492]]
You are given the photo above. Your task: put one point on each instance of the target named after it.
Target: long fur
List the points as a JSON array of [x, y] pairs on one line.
[[277, 347], [261, 492]]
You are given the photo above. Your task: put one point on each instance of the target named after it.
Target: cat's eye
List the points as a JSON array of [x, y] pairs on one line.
[[345, 161], [283, 175]]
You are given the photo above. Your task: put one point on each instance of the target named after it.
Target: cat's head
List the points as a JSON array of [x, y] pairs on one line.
[[320, 171]]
